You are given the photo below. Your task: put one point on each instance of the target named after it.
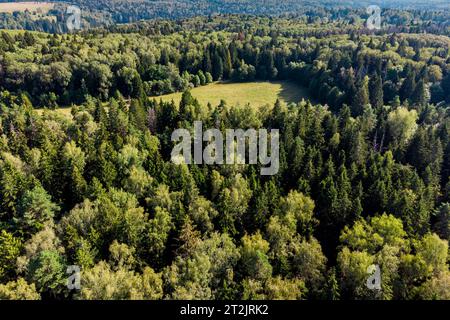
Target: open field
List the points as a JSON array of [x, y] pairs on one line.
[[39, 7], [255, 93]]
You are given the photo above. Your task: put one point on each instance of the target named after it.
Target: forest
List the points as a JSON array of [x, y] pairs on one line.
[[364, 174]]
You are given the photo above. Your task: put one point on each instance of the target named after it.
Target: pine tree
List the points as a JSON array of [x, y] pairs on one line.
[[445, 84], [332, 286], [442, 225], [217, 67], [207, 65], [227, 65], [409, 84], [376, 92], [165, 59], [421, 95], [100, 115], [138, 115], [361, 98]]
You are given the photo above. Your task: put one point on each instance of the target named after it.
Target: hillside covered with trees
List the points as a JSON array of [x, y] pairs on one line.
[[430, 15]]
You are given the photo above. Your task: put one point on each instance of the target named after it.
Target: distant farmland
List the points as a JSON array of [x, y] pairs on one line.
[[38, 7]]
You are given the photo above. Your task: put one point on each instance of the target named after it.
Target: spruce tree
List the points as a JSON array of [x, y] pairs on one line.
[[361, 98], [376, 92]]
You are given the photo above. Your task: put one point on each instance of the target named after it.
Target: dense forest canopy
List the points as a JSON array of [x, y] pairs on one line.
[[154, 58], [364, 174]]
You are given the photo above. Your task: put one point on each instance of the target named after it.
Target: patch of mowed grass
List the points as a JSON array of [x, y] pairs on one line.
[[256, 94]]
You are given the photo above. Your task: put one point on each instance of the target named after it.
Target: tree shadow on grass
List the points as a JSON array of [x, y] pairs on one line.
[[294, 93]]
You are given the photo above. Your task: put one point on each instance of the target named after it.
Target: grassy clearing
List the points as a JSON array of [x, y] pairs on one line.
[[38, 7], [256, 94], [65, 111]]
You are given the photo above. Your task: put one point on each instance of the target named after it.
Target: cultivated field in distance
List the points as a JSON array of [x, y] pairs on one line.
[[32, 6]]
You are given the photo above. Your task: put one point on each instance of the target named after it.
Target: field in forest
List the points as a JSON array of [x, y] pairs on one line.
[[32, 6], [254, 93]]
